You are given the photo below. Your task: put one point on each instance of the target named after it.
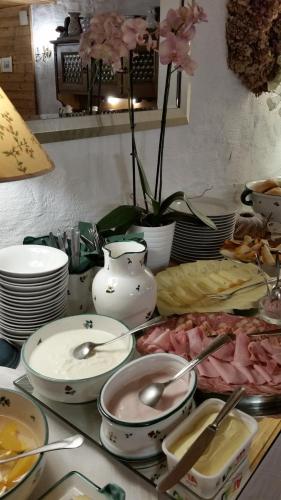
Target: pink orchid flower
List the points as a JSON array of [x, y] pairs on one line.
[[178, 29], [181, 21], [135, 33], [104, 40], [175, 50]]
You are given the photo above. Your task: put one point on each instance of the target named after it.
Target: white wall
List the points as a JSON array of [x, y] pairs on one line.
[[232, 138]]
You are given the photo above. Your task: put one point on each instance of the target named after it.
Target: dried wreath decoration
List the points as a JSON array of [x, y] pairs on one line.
[[253, 34]]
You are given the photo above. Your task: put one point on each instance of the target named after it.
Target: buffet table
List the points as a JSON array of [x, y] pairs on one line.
[[96, 465]]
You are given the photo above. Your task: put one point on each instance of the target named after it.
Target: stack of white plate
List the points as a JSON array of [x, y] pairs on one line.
[[198, 242], [33, 289]]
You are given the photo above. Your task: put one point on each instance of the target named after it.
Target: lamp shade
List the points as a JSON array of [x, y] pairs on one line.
[[21, 155]]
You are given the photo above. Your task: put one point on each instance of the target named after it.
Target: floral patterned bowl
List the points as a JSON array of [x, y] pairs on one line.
[[15, 405], [78, 390], [142, 439]]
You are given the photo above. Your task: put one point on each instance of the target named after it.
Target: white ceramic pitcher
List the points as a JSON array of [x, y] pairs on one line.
[[124, 288]]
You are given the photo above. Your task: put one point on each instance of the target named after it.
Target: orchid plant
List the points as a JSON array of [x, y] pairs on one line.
[[110, 38]]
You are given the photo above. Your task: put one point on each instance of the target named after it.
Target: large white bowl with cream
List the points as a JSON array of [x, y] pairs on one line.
[[129, 428], [57, 375]]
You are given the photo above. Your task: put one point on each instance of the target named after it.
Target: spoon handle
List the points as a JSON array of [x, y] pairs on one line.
[[57, 445], [230, 403], [214, 346], [154, 321]]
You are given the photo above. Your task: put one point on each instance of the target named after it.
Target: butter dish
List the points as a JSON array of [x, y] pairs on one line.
[[207, 478], [229, 490], [74, 485]]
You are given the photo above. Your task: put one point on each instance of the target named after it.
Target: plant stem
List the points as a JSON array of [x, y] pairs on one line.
[[99, 84], [90, 89], [132, 124], [159, 171], [91, 85]]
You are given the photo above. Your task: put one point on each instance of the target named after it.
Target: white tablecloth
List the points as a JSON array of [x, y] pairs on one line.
[[90, 461]]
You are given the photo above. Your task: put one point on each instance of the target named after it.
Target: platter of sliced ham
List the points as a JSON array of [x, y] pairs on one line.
[[250, 361]]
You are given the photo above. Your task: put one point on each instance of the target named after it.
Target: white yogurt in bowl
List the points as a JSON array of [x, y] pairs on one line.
[[54, 358], [57, 375]]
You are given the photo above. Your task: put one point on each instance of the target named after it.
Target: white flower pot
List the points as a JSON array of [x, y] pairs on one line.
[[159, 244], [124, 288]]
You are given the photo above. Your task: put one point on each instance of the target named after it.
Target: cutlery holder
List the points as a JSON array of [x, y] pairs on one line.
[[79, 295]]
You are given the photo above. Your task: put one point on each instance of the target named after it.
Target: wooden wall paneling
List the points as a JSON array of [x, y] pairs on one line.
[[16, 41], [23, 3]]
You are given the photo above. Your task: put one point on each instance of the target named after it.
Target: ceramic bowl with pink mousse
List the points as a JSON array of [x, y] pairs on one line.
[[129, 428]]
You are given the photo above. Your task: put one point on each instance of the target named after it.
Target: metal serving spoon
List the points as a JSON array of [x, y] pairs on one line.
[[151, 394], [87, 349], [71, 442]]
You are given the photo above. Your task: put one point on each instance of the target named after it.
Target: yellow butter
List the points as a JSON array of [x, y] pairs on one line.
[[231, 435]]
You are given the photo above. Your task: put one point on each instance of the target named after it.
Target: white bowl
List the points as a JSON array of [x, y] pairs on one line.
[[34, 302], [210, 206], [78, 390], [30, 307], [20, 407], [34, 260], [34, 287], [20, 324], [30, 295], [265, 204], [23, 318], [142, 439], [203, 485], [35, 279]]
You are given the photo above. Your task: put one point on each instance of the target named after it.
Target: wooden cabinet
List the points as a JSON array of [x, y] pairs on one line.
[[72, 79]]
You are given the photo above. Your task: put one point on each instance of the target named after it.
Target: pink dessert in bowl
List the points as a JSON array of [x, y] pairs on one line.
[[132, 430]]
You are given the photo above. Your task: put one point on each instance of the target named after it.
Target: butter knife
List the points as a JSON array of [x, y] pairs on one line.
[[200, 444]]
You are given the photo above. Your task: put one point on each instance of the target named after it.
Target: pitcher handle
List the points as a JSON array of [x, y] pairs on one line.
[[244, 195]]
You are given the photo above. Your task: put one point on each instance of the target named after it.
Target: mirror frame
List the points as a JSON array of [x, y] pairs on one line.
[[66, 129]]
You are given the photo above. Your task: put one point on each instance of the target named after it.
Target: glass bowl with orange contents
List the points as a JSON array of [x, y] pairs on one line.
[[23, 426]]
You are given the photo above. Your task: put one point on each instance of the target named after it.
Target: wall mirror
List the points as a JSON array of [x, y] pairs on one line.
[[61, 83]]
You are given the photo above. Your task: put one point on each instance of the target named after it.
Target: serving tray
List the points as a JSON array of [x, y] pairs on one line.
[[81, 418]]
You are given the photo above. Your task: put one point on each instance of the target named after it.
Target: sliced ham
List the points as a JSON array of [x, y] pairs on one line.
[[195, 336], [179, 343], [277, 357], [241, 353], [263, 372], [257, 352], [255, 363], [206, 369], [227, 372], [271, 345], [226, 352], [245, 371]]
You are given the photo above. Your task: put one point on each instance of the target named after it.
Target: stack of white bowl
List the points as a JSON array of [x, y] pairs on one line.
[[198, 242], [33, 289]]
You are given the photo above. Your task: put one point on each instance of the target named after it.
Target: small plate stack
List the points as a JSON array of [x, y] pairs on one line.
[[33, 289], [198, 242]]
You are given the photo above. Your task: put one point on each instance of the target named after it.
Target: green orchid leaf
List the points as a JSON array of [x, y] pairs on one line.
[[122, 216], [180, 195], [145, 185]]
